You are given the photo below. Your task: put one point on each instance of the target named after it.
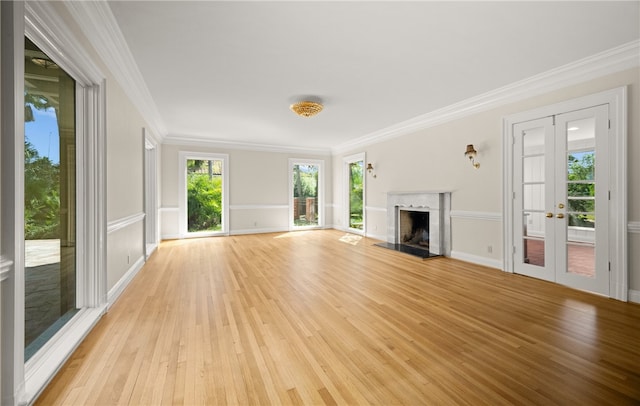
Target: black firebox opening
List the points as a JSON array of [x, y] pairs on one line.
[[414, 228]]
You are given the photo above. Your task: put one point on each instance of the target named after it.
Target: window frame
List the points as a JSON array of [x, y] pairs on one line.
[[183, 157]]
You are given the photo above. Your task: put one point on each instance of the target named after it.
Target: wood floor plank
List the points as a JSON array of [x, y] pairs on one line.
[[305, 318]]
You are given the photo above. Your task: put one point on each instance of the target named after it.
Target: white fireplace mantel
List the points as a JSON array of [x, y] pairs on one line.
[[437, 203]]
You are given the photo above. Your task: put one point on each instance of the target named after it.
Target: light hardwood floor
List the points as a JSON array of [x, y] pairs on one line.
[[305, 318]]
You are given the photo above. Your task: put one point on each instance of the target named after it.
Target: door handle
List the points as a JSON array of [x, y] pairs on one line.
[[560, 206], [560, 215], [549, 215]]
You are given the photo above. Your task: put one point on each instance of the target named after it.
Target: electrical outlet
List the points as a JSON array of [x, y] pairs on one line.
[[490, 249], [128, 259], [255, 224]]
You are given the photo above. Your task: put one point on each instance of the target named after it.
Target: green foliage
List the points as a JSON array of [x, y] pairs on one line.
[[42, 195], [581, 169], [204, 202], [356, 197], [305, 180]]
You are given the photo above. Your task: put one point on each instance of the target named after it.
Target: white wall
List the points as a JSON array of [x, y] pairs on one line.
[[258, 189], [124, 168], [433, 159]]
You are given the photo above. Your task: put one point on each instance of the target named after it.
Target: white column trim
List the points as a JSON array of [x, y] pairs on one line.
[[5, 268], [168, 209]]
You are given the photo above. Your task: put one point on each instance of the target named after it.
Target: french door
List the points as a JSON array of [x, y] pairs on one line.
[[561, 199], [354, 199]]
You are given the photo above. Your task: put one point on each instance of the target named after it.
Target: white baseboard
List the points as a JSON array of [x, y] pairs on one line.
[[634, 296], [476, 259], [121, 285], [170, 237]]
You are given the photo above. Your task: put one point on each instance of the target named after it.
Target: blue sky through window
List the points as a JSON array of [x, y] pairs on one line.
[[42, 133]]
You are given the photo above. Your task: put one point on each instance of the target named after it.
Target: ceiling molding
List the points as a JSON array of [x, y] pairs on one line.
[[45, 27], [617, 59], [247, 146], [99, 25]]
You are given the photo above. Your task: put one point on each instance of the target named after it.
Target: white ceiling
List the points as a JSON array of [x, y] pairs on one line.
[[228, 71]]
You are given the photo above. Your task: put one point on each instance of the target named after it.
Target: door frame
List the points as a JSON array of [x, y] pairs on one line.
[[346, 161], [320, 164], [616, 99], [40, 21], [150, 192], [183, 156]]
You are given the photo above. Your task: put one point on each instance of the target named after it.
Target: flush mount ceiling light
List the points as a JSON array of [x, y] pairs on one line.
[[306, 108]]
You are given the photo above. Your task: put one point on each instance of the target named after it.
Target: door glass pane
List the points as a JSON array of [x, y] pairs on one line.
[[356, 195], [50, 198], [533, 238], [204, 195], [581, 192], [533, 197], [305, 195], [533, 168]]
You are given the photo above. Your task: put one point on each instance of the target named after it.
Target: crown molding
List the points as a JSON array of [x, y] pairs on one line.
[[616, 59], [248, 146], [99, 25], [40, 18]]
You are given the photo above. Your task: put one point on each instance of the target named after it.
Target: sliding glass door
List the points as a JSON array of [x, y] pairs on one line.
[[50, 198]]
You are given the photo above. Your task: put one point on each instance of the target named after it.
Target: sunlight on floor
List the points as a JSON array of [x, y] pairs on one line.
[[351, 239], [292, 234]]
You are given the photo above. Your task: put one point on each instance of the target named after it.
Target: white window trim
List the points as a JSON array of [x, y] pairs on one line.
[[617, 101], [40, 22], [320, 164], [346, 161], [183, 156]]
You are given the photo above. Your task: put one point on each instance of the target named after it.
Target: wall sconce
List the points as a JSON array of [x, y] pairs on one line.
[[471, 154], [370, 170]]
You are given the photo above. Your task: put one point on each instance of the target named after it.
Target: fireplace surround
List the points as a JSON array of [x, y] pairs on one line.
[[438, 206]]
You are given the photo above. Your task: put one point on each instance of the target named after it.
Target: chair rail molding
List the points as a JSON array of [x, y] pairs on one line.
[[477, 215], [258, 206], [123, 222]]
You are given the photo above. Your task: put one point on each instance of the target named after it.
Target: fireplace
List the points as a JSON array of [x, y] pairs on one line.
[[419, 223], [413, 228]]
